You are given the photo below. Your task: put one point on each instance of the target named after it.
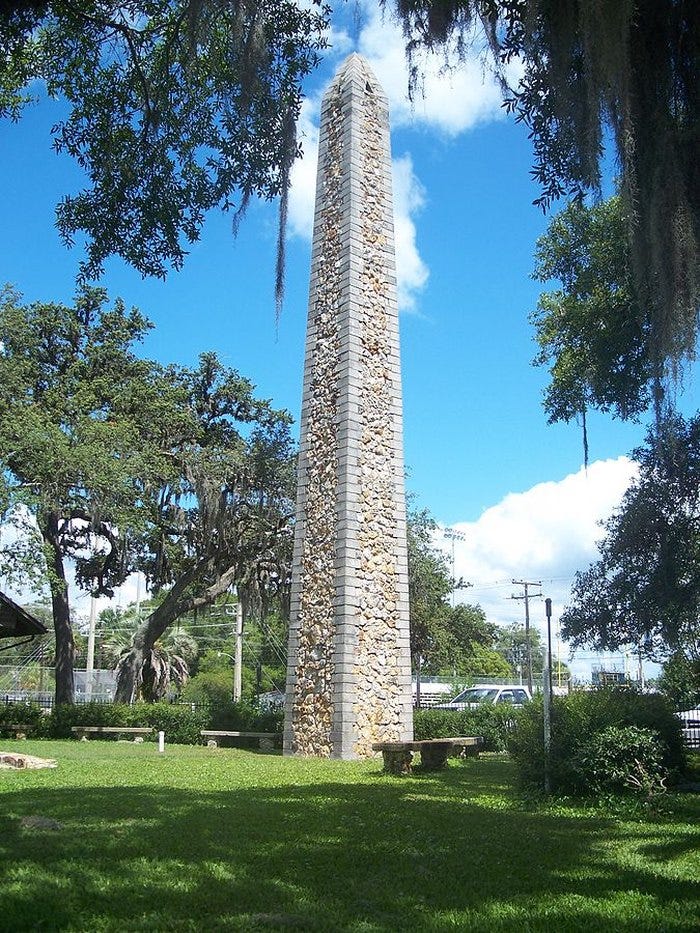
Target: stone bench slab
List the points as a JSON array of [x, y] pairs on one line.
[[82, 732], [398, 757], [266, 740]]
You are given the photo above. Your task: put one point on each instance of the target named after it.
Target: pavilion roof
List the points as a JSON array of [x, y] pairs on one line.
[[16, 622]]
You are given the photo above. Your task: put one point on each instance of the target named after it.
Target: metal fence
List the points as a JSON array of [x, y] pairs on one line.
[[692, 737], [30, 681]]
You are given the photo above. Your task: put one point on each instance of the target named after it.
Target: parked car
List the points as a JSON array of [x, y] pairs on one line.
[[473, 697], [268, 702], [690, 720]]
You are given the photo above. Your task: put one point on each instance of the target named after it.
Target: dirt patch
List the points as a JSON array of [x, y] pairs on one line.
[[16, 761]]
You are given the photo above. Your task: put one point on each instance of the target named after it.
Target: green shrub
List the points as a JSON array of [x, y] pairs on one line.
[[181, 723], [245, 716], [623, 759], [211, 689], [576, 719], [494, 723], [25, 713], [87, 714]]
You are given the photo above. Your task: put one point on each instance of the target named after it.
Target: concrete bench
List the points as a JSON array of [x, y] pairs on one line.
[[18, 729], [266, 740], [82, 732], [398, 758]]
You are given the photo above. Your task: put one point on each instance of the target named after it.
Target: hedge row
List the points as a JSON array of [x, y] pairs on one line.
[[494, 723], [181, 724]]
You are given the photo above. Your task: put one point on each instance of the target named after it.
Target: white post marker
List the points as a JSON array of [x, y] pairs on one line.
[[161, 741]]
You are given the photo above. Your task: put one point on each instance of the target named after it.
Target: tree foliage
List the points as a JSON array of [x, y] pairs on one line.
[[592, 331], [512, 644], [175, 107], [168, 665], [680, 680], [220, 515], [124, 465], [70, 449], [593, 74], [645, 589], [429, 584], [444, 639]]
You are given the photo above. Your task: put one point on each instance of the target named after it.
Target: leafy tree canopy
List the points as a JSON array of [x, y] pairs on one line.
[[444, 639], [680, 680], [624, 73], [71, 450], [429, 583], [592, 332], [512, 644], [220, 515], [645, 589], [123, 465], [176, 107]]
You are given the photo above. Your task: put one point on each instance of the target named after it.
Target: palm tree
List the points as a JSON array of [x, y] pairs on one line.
[[165, 668]]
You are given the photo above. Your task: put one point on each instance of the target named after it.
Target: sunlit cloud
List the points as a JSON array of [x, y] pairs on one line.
[[544, 534]]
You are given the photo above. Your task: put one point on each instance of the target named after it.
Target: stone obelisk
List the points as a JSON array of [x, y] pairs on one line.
[[349, 677]]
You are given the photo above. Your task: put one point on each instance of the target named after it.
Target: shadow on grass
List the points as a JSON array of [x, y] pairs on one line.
[[448, 851]]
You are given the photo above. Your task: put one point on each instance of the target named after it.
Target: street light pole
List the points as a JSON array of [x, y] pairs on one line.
[[453, 535], [547, 689]]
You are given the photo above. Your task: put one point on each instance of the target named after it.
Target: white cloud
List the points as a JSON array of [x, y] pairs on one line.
[[451, 101], [546, 533], [409, 198], [303, 181]]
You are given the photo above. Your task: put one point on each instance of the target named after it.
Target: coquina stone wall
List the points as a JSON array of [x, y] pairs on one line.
[[349, 660]]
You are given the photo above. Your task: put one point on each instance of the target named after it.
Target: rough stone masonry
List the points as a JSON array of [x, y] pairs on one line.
[[349, 677]]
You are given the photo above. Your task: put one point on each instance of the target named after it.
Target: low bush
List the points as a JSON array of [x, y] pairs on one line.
[[246, 717], [26, 713], [576, 720], [624, 760], [181, 723], [63, 717], [211, 689], [494, 723]]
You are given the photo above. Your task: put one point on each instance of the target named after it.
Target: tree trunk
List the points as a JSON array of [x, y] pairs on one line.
[[65, 645], [132, 666], [129, 671]]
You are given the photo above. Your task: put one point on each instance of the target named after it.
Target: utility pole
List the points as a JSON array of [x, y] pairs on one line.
[[238, 659], [527, 596]]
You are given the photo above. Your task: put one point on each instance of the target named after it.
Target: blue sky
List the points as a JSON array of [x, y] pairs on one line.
[[478, 450]]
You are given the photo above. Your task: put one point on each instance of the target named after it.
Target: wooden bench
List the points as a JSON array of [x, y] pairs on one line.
[[398, 758], [266, 740], [82, 732]]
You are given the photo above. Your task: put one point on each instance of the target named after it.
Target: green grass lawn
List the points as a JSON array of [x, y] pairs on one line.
[[201, 839]]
